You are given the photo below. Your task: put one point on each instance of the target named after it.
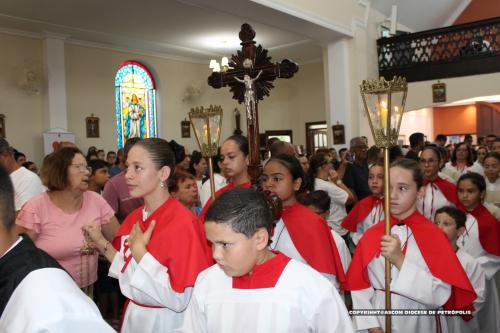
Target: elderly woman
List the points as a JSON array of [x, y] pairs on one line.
[[54, 219], [182, 186]]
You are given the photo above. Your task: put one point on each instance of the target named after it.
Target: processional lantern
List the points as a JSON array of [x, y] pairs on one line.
[[384, 103], [206, 123]]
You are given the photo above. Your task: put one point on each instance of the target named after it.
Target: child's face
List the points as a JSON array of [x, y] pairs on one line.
[[233, 161], [100, 177], [319, 211], [469, 194], [376, 180], [446, 223], [404, 192], [235, 254], [430, 163], [278, 180], [491, 168]]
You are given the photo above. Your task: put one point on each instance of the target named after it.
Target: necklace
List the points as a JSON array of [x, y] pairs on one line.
[[278, 239]]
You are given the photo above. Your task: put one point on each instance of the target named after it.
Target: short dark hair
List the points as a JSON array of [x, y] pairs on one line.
[[395, 152], [18, 154], [110, 152], [475, 178], [54, 172], [245, 210], [493, 154], [5, 147], [416, 139], [97, 164], [441, 137], [319, 199], [7, 208], [159, 151], [414, 167], [196, 158], [455, 213], [176, 178], [241, 141]]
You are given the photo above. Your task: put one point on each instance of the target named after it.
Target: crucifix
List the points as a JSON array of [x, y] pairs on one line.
[[250, 79]]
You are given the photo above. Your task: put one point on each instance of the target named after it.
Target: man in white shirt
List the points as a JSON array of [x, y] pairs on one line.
[[26, 183]]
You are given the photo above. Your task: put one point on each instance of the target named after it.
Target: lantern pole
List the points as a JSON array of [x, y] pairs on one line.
[[384, 125]]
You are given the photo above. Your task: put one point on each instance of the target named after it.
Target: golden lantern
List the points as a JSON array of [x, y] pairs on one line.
[[384, 103], [206, 123]]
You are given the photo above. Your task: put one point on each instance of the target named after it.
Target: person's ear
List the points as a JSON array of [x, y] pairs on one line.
[[164, 173], [261, 239], [421, 192], [296, 184], [460, 231], [482, 196]]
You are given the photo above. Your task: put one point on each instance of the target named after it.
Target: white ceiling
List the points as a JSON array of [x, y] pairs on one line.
[[420, 15], [195, 29]]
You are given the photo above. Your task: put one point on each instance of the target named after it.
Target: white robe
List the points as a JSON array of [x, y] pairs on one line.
[[376, 215], [413, 287], [476, 276], [148, 283], [281, 241], [48, 300], [489, 318], [301, 301], [432, 200]]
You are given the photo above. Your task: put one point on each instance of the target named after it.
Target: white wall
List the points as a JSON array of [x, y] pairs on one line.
[[417, 121], [23, 112]]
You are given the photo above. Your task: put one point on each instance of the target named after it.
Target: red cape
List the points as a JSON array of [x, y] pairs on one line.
[[488, 227], [436, 251], [178, 241], [313, 239], [359, 212], [226, 188], [448, 189]]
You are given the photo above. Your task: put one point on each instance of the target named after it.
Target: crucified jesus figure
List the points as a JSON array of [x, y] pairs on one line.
[[249, 93]]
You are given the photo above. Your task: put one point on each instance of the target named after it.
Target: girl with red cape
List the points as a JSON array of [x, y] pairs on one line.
[[482, 241], [159, 249]]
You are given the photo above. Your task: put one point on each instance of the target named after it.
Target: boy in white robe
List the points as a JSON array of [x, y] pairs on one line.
[[36, 294], [251, 288], [452, 221]]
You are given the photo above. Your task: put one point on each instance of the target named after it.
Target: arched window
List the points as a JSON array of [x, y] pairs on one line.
[[135, 101]]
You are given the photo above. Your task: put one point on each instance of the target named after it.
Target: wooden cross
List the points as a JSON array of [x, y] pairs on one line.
[[252, 67]]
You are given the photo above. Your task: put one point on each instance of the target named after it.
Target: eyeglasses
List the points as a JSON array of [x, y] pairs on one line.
[[82, 168]]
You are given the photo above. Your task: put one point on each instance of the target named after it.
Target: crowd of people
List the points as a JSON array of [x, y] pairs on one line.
[[138, 229]]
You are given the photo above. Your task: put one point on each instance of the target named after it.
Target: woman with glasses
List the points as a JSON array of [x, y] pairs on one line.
[[437, 192], [54, 219], [462, 162]]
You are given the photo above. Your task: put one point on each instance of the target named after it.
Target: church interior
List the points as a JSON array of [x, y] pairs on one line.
[[100, 76], [62, 59]]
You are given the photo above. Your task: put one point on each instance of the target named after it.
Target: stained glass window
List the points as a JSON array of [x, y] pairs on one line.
[[135, 102]]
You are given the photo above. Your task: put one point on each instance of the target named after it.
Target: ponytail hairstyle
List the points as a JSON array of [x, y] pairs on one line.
[[315, 162], [242, 143], [159, 151], [414, 167], [294, 167]]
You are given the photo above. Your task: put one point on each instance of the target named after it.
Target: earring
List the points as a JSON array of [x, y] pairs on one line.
[[162, 184]]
